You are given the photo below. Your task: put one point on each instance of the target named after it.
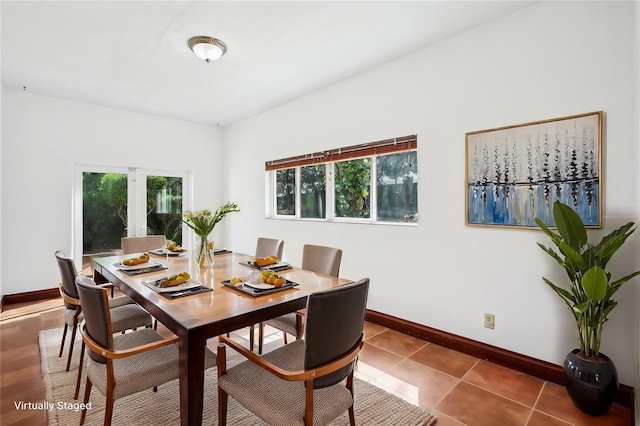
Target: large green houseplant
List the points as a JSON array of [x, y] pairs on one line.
[[591, 288]]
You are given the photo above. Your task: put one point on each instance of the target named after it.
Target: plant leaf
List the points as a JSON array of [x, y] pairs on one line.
[[569, 225], [594, 283]]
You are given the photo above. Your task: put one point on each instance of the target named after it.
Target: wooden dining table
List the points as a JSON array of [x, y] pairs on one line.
[[198, 317]]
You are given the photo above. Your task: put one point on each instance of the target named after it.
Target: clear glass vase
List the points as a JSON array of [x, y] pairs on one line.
[[204, 251]]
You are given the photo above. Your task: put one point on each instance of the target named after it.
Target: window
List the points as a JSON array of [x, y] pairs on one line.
[[373, 182]]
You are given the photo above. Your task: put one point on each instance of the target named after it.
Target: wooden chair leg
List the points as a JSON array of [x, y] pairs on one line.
[[285, 337], [308, 406], [75, 396], [73, 339], [87, 393], [260, 337], [352, 417], [223, 397], [251, 337], [108, 408], [64, 336]]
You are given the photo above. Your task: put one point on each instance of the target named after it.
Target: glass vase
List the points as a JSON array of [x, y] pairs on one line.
[[204, 251]]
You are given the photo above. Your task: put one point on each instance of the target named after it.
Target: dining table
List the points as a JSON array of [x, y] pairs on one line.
[[210, 311]]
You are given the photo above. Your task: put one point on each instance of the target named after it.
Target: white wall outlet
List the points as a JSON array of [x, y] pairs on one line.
[[489, 321]]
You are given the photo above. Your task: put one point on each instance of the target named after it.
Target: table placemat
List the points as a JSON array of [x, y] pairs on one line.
[[257, 292], [281, 266], [153, 285]]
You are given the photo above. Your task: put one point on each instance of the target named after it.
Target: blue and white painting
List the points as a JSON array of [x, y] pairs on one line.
[[514, 174]]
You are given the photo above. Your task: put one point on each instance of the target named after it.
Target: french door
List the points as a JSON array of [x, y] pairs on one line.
[[114, 202]]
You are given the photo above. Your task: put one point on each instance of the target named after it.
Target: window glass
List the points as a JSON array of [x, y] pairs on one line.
[[104, 211], [164, 207], [397, 187], [352, 182], [313, 186], [286, 192]]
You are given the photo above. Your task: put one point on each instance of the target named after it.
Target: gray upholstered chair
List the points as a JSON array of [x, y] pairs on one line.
[[302, 383], [125, 314], [266, 247], [318, 259], [123, 364], [269, 247], [142, 244]]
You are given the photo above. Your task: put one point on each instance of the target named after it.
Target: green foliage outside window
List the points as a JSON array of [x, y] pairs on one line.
[[313, 185], [397, 187], [286, 192], [352, 182]]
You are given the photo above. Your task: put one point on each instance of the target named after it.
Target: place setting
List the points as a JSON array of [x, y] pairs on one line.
[[176, 286], [270, 263], [259, 283], [139, 265]]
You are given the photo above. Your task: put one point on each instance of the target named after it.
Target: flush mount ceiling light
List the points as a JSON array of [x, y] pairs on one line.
[[207, 48]]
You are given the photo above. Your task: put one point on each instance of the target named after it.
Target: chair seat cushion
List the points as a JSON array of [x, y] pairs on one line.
[[282, 402], [129, 316], [68, 317], [113, 303], [119, 301], [143, 371], [286, 323]]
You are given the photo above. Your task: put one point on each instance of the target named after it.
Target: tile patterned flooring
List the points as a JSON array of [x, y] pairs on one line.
[[466, 391]]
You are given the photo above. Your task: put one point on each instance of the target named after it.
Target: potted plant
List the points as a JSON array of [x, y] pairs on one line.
[[590, 376]]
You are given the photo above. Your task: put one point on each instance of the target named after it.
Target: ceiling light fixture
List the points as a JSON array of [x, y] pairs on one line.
[[207, 48]]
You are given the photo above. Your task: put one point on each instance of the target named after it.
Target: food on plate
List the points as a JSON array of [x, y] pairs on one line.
[[265, 261], [235, 281], [143, 258], [172, 246], [172, 280], [270, 277]]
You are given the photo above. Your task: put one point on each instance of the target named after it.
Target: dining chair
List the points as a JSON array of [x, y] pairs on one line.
[[269, 247], [123, 364], [318, 259], [125, 314], [142, 244], [266, 247], [302, 383]]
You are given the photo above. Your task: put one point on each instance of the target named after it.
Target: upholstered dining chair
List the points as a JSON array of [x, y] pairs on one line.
[[269, 247], [318, 259], [125, 314], [266, 247], [123, 364], [301, 383], [142, 244]]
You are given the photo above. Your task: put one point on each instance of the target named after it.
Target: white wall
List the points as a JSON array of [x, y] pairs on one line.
[[550, 60], [42, 139]]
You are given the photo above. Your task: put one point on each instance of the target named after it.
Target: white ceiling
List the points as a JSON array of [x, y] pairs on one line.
[[134, 55]]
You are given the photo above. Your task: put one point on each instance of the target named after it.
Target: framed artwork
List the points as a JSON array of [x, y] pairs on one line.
[[515, 173]]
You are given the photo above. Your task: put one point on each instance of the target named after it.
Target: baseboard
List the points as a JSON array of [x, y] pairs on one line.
[[30, 296], [534, 367]]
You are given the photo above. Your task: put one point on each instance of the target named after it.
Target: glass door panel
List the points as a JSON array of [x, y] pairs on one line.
[[164, 206]]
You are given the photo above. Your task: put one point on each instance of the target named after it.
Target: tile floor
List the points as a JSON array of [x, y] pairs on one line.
[[464, 390]]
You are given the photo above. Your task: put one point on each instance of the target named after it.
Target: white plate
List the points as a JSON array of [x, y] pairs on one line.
[[184, 286], [149, 264], [259, 286], [173, 253]]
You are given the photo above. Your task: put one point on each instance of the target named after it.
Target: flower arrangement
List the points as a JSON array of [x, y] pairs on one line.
[[202, 222]]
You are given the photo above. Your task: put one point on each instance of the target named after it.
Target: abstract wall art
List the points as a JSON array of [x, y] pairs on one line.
[[515, 173]]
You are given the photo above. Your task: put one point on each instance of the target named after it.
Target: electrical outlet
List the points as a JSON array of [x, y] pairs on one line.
[[489, 321]]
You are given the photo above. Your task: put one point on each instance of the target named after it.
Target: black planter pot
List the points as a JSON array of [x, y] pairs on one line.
[[591, 384]]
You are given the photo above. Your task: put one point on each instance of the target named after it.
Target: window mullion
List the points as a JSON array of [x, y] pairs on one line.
[[374, 190]]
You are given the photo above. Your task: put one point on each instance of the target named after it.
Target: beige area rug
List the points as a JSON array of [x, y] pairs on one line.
[[373, 406]]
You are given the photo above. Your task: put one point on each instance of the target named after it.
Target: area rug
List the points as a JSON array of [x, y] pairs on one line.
[[373, 406]]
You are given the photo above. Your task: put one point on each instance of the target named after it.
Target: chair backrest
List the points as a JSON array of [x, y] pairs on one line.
[[269, 247], [95, 305], [140, 244], [68, 275], [334, 326], [322, 260]]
